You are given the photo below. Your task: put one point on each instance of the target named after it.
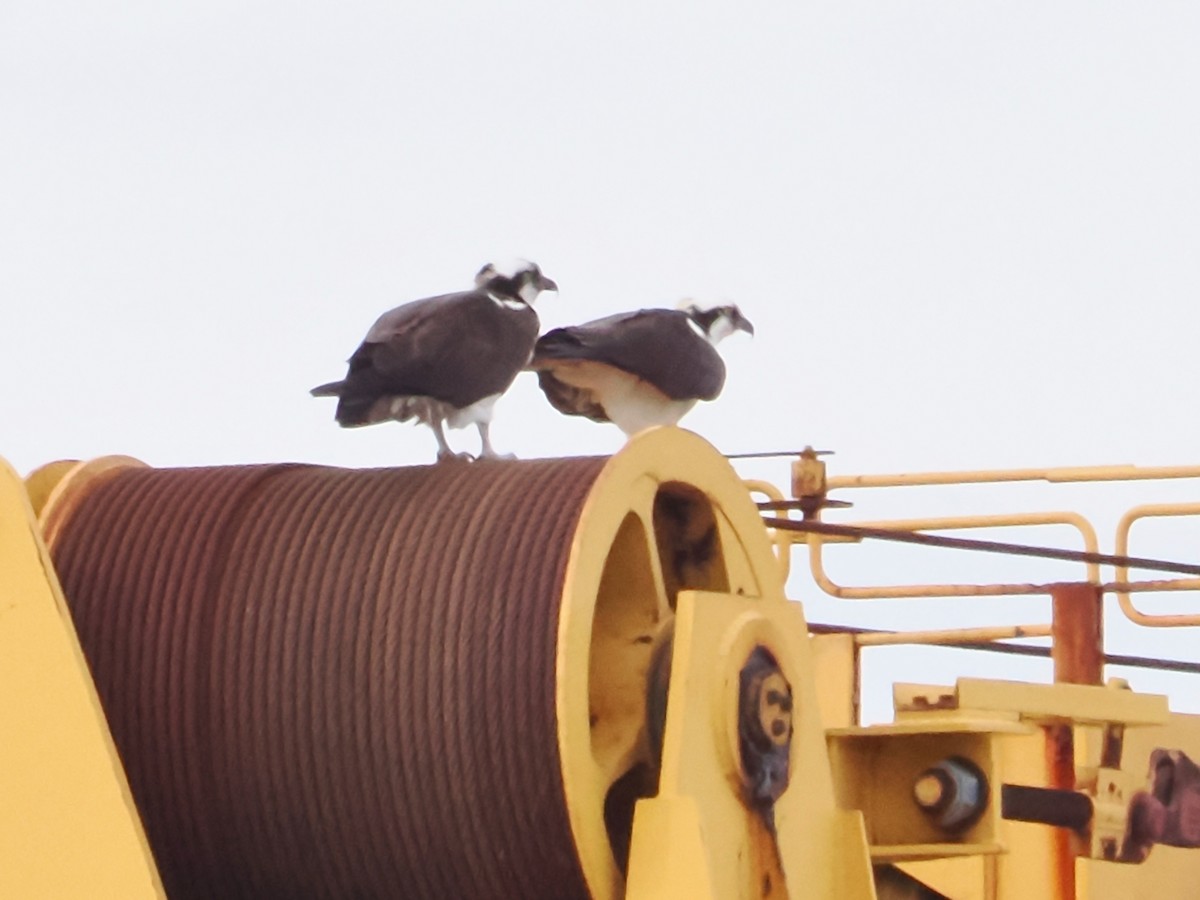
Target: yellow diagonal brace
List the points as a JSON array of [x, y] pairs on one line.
[[68, 826]]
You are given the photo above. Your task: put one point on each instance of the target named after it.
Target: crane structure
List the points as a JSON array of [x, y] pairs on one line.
[[560, 678]]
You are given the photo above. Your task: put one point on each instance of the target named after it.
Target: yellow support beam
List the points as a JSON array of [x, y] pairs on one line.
[[1082, 704], [69, 827], [698, 838]]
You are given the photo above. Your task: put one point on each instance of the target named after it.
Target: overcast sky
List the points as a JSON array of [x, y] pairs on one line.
[[966, 233]]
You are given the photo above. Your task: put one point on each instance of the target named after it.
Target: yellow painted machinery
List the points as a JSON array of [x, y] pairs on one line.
[[542, 679]]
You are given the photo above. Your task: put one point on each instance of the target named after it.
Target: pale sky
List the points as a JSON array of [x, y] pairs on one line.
[[966, 232]]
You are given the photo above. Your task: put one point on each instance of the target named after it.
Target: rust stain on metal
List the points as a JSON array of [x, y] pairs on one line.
[[1077, 629], [335, 683], [1060, 766]]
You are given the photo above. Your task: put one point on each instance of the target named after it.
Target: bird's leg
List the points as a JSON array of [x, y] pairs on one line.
[[488, 451], [445, 454]]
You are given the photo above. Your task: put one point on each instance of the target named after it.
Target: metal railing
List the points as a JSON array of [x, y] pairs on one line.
[[811, 491]]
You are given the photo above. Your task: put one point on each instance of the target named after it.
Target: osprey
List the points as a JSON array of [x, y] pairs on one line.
[[637, 369], [444, 359]]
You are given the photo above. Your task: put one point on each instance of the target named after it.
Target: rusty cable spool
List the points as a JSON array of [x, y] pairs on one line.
[[334, 683], [420, 683]]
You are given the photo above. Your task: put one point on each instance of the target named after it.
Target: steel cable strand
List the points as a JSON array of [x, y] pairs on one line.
[[286, 844], [514, 616], [123, 621], [93, 574], [221, 495], [538, 574], [325, 596], [241, 811], [86, 558], [381, 522], [379, 656], [251, 775], [325, 854], [522, 609], [474, 726], [402, 656], [423, 874], [251, 610], [442, 550], [125, 618], [164, 599], [230, 725], [345, 703], [573, 479], [403, 605], [468, 497], [138, 615]]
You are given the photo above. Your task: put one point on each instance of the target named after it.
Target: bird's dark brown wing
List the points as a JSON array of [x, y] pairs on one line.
[[658, 346], [457, 348]]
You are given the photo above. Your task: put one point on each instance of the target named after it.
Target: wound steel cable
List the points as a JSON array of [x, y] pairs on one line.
[[331, 683]]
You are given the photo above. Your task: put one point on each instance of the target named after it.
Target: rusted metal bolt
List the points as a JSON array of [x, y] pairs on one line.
[[775, 708], [765, 709], [929, 791], [953, 793]]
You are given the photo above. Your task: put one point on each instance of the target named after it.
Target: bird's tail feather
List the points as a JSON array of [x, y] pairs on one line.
[[332, 389], [354, 411], [570, 400]]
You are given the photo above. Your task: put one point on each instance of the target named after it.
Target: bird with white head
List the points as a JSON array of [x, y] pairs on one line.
[[637, 369], [445, 360]]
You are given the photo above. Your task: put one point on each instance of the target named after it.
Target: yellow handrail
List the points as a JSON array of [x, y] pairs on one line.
[[816, 561], [1123, 586]]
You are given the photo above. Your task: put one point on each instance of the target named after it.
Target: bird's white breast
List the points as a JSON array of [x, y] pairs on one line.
[[479, 412]]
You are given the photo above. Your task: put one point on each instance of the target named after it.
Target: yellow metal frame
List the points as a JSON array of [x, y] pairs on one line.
[[697, 840], [69, 827], [616, 609], [1033, 860], [781, 540], [817, 542], [62, 485], [1060, 475], [1122, 587]]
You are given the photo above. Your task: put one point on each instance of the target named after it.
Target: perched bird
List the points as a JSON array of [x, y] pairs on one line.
[[637, 369], [445, 359]]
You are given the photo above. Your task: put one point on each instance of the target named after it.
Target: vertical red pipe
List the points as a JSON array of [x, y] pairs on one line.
[[1077, 629]]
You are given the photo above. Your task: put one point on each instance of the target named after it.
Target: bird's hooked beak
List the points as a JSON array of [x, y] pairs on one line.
[[546, 284], [741, 323]]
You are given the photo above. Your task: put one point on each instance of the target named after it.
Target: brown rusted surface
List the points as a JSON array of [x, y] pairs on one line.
[[1077, 630], [1077, 649], [1060, 771], [329, 683]]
